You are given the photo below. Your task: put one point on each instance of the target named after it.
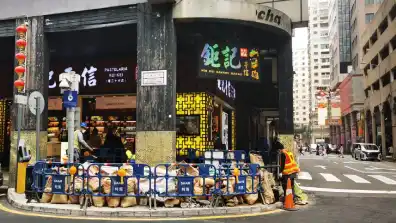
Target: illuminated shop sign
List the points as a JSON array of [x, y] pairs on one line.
[[229, 62], [226, 88], [97, 78]]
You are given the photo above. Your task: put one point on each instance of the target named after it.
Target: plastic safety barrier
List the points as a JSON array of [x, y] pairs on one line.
[[105, 180], [54, 178], [184, 180], [121, 180]]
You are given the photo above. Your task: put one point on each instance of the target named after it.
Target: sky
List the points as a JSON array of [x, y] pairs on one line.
[[300, 39]]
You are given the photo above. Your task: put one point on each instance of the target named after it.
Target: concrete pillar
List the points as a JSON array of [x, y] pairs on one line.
[[353, 127], [36, 79], [393, 128], [156, 105], [285, 73], [338, 132], [373, 128], [366, 128], [342, 132], [383, 138]]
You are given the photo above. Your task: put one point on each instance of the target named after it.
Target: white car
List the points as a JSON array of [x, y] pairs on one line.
[[366, 151], [313, 147]]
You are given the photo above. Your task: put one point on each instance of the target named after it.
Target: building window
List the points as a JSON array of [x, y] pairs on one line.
[[324, 46], [315, 46], [316, 81], [315, 25], [369, 17], [316, 74]]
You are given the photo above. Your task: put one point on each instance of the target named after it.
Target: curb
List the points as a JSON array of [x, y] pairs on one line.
[[74, 210]]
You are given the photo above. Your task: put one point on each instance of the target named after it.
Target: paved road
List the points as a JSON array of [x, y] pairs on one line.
[[332, 174]]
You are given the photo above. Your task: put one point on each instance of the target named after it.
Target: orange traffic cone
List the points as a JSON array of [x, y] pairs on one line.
[[289, 202]]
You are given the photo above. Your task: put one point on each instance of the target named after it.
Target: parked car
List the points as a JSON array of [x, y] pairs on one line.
[[331, 148], [313, 147], [366, 151]]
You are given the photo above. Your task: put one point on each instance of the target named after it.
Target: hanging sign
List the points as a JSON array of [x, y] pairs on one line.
[[70, 99], [229, 62]]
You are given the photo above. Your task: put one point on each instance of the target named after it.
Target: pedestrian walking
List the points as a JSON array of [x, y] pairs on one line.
[[341, 151]]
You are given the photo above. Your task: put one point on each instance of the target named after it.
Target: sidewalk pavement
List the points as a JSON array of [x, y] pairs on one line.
[[19, 201]]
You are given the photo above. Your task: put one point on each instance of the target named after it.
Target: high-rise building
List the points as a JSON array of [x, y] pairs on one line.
[[350, 89], [319, 59], [301, 79], [340, 40], [378, 43]]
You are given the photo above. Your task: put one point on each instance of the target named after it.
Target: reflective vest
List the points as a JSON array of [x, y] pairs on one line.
[[290, 164]]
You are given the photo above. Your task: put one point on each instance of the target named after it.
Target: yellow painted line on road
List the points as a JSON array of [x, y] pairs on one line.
[[16, 212]]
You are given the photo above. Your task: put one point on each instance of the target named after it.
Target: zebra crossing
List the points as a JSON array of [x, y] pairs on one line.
[[328, 177]]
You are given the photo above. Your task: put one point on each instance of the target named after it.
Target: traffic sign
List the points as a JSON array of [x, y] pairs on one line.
[[70, 99], [32, 101]]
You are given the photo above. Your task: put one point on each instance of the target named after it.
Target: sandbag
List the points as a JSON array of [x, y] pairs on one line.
[[113, 202], [47, 196], [59, 199], [106, 185], [128, 202], [131, 185], [98, 201], [268, 194], [209, 182], [93, 184], [77, 189], [74, 199], [250, 198], [250, 187], [256, 159]]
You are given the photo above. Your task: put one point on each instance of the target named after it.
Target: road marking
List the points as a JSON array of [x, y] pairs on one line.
[[386, 180], [335, 163], [330, 177], [378, 168], [368, 171], [357, 179], [320, 166], [304, 176], [333, 190], [5, 209]]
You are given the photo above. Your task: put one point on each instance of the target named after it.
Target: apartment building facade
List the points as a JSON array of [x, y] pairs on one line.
[[379, 68], [319, 59], [301, 97]]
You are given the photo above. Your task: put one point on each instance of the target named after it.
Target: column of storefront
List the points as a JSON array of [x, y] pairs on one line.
[[347, 133], [35, 80], [373, 128], [156, 50], [337, 129], [393, 111], [342, 132], [353, 127], [383, 138], [366, 128]]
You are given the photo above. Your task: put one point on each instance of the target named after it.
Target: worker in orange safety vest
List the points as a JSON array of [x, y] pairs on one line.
[[288, 167]]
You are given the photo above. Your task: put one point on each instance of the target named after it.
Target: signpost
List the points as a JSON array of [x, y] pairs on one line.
[[36, 107]]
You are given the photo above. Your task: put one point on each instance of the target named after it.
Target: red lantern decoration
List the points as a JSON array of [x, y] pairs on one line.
[[20, 70], [21, 44], [21, 58], [22, 29], [19, 84]]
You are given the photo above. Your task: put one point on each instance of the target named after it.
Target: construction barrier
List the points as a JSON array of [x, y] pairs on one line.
[[114, 181]]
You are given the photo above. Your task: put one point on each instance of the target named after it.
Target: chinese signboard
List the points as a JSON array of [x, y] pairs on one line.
[[185, 185], [100, 77], [229, 62], [226, 88]]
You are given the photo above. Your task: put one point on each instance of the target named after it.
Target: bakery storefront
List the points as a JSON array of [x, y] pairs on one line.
[[107, 90]]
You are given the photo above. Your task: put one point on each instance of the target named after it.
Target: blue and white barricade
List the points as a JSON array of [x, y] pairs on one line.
[[54, 178], [248, 181], [184, 180], [104, 181]]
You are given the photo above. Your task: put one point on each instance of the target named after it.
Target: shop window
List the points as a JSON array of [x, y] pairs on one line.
[[188, 125]]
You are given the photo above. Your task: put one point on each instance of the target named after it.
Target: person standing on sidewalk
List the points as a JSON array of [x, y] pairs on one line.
[[288, 167], [341, 151], [79, 142]]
